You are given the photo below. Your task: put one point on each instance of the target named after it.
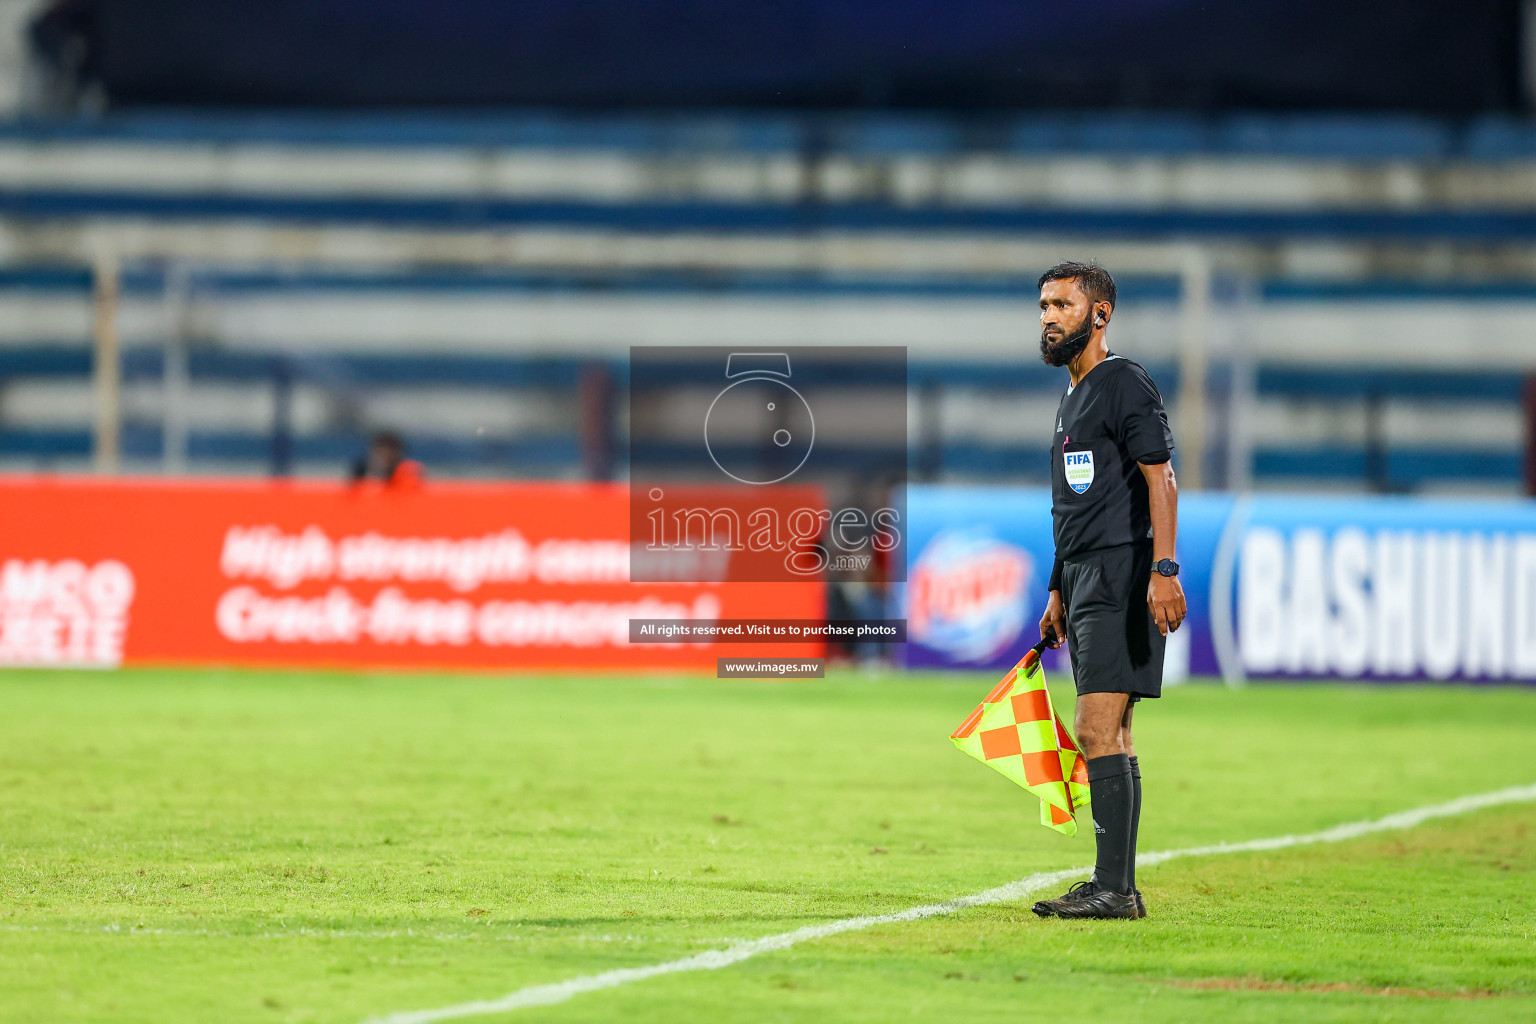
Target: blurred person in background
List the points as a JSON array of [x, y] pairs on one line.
[[386, 462]]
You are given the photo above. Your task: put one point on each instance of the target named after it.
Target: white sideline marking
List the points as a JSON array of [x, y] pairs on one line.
[[559, 992]]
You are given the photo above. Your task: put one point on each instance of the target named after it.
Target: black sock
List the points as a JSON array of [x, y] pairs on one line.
[[1112, 798], [1135, 817]]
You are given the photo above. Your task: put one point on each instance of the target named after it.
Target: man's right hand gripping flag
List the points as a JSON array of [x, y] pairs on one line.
[[1015, 730]]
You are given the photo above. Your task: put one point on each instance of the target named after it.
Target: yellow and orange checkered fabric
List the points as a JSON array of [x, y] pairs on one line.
[[1015, 730]]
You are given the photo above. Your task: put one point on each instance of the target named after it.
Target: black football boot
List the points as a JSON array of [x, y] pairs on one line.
[[1087, 901], [1079, 891], [1103, 904]]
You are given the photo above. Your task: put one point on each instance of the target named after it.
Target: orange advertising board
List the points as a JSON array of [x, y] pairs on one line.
[[486, 576]]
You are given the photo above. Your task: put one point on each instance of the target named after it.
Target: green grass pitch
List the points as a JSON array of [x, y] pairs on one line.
[[272, 847]]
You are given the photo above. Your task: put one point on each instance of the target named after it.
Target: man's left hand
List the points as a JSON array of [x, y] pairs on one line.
[[1165, 597]]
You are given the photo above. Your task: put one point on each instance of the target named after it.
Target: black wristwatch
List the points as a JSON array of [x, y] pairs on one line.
[[1166, 567]]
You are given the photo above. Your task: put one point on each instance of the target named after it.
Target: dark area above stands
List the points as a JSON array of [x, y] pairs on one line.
[[957, 54]]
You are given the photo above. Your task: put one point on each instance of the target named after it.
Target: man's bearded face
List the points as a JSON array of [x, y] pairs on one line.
[[1059, 347]]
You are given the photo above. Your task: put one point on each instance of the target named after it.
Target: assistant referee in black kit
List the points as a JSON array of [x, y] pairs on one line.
[[1115, 593]]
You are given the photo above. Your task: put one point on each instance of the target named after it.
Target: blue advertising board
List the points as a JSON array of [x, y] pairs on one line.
[[1384, 588]]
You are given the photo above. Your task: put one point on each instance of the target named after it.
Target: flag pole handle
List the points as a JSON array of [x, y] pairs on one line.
[[1032, 659]]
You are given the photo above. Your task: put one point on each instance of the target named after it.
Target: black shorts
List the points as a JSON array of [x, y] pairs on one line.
[[1114, 642]]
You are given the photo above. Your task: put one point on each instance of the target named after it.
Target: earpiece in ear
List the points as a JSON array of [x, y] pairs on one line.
[[1098, 321]]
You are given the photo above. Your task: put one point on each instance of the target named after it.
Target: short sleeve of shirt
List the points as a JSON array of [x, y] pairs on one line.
[[1143, 433]]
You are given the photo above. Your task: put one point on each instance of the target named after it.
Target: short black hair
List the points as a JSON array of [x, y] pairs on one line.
[[1093, 279]]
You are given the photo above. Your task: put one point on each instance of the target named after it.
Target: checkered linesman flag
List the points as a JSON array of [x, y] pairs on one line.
[[1015, 730]]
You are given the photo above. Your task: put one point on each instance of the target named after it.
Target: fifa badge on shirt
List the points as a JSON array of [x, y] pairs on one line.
[[1079, 470]]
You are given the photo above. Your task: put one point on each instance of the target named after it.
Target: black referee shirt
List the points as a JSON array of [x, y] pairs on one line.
[[1112, 420]]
